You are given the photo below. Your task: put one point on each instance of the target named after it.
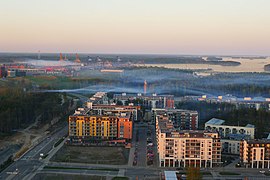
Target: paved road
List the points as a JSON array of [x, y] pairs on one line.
[[132, 172], [79, 172], [30, 162], [142, 131]]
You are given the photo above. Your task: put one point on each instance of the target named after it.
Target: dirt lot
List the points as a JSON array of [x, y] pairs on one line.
[[92, 155]]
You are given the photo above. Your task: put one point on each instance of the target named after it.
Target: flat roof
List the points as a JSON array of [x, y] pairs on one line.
[[215, 121], [170, 175], [250, 126]]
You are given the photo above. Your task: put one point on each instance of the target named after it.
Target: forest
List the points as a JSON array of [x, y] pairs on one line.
[[19, 108]]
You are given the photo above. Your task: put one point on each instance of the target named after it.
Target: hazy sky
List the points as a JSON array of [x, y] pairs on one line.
[[136, 26]]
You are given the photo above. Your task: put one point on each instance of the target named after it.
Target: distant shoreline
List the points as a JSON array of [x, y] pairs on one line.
[[221, 63]]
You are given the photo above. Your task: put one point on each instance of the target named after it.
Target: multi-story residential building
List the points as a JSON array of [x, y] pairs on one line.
[[182, 119], [184, 148], [231, 144], [255, 153], [215, 124], [99, 98], [101, 108], [148, 101], [231, 136], [3, 72], [89, 125]]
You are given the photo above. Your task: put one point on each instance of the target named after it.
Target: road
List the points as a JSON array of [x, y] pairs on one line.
[[30, 162], [141, 144]]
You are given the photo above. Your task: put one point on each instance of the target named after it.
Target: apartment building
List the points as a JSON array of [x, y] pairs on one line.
[[148, 101], [101, 108], [3, 72], [225, 130], [184, 148], [182, 119], [231, 136], [99, 98], [255, 153], [231, 144], [89, 125]]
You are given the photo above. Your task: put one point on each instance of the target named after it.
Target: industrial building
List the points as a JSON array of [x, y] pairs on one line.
[[184, 148], [255, 153]]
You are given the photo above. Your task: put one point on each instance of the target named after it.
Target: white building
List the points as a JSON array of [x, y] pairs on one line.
[[184, 148], [217, 125], [231, 144]]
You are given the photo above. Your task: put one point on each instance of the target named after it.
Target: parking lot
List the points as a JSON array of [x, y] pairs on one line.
[[145, 149]]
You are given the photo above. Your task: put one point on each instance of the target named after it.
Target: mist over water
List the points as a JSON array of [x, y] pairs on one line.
[[168, 81], [161, 80]]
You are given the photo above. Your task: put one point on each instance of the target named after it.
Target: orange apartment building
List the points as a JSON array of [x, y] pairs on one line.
[[88, 125]]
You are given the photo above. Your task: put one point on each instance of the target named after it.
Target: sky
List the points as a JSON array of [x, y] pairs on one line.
[[195, 27]]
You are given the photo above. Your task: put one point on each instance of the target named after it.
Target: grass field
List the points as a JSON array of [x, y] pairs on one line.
[[92, 155], [67, 177]]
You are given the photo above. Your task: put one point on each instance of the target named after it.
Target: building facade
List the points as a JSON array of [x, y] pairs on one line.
[[100, 127], [148, 101], [184, 148], [224, 131], [3, 72], [182, 119], [230, 146], [255, 153], [101, 108]]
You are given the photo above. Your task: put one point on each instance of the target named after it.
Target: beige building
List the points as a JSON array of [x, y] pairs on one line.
[[184, 148], [255, 153]]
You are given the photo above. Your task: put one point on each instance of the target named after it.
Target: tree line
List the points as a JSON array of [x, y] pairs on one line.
[[19, 108]]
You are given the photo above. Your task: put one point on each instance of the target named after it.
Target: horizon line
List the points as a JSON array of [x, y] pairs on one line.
[[113, 53]]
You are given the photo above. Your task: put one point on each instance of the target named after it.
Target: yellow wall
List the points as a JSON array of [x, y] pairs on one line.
[[93, 123]]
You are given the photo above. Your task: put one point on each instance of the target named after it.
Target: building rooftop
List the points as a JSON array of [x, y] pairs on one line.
[[166, 126], [170, 175], [259, 141], [238, 137], [250, 126], [139, 95], [94, 112], [215, 121]]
